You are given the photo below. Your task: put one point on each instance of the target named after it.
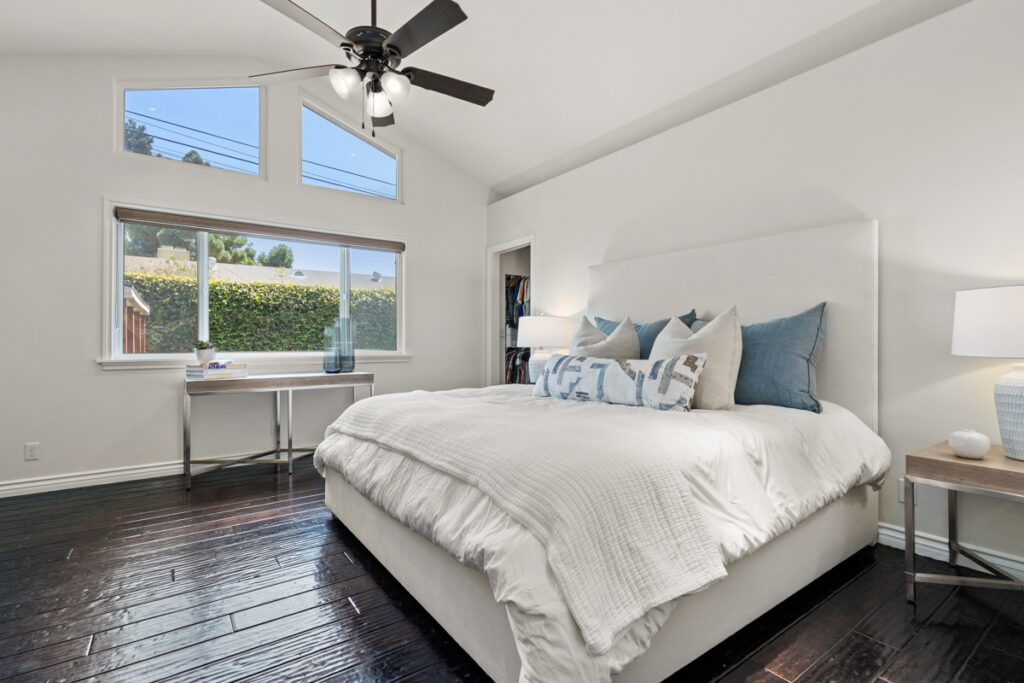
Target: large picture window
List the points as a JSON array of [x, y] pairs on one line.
[[248, 288], [217, 127]]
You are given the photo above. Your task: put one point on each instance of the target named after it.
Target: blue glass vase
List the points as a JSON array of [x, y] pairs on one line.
[[339, 347]]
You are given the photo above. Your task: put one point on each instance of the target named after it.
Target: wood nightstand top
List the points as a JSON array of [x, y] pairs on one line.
[[994, 472]]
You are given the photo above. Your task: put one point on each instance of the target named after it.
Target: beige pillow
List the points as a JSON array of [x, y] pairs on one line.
[[722, 341], [591, 342]]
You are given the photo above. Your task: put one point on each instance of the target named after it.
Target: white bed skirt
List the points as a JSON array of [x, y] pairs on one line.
[[460, 598]]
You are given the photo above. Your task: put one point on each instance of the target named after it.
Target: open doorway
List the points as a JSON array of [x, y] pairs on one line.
[[510, 292]]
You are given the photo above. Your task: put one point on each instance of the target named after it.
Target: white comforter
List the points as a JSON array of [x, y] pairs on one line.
[[753, 472]]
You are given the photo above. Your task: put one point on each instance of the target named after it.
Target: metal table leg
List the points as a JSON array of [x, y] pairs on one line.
[[908, 533], [277, 424], [187, 448], [951, 512], [289, 432]]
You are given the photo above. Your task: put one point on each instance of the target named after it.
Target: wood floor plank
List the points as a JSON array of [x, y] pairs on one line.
[[210, 651], [146, 610], [16, 662], [990, 664], [313, 654], [854, 658], [896, 621], [941, 647], [795, 650], [750, 672]]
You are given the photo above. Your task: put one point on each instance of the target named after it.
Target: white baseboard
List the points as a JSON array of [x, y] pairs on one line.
[[930, 545], [57, 482]]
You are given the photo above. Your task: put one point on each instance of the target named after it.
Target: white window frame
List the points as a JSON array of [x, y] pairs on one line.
[[191, 84], [307, 100], [113, 358]]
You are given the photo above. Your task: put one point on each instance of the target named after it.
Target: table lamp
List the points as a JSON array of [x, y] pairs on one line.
[[989, 323], [538, 332]]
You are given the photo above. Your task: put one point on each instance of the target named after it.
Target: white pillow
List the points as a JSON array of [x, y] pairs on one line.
[[592, 342], [722, 341], [666, 384]]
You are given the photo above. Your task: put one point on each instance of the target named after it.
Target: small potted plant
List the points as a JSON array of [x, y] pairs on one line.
[[205, 351]]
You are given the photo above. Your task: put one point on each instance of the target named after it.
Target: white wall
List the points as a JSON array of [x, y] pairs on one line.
[[921, 131], [58, 118]]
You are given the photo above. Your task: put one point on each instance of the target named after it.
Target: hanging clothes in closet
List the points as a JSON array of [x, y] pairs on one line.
[[517, 364], [517, 304]]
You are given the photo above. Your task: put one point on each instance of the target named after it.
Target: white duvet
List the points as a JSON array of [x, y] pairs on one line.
[[753, 472]]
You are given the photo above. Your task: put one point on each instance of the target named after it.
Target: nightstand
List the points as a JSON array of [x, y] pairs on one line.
[[993, 475]]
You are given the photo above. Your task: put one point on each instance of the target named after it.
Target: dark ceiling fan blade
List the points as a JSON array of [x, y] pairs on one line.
[[310, 21], [446, 85], [299, 74], [431, 21], [381, 121]]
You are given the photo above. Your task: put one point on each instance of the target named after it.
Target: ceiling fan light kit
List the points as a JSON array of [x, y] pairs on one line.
[[372, 56]]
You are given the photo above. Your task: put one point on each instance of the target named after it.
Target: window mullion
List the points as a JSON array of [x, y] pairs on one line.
[[344, 298], [118, 340], [203, 276]]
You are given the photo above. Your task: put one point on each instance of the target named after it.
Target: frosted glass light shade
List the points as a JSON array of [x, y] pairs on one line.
[[989, 322], [396, 86], [543, 330], [377, 104], [344, 81]]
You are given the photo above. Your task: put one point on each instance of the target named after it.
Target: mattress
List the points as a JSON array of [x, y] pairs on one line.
[[760, 470]]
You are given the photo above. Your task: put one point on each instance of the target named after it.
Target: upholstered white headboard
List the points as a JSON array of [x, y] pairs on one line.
[[768, 277]]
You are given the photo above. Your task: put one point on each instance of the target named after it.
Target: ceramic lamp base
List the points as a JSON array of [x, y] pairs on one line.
[[1010, 410], [538, 359]]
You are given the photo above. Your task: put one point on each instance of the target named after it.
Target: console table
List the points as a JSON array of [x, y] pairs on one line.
[[278, 385], [993, 475]]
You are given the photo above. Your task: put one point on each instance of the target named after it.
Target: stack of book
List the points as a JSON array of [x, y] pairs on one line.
[[218, 369]]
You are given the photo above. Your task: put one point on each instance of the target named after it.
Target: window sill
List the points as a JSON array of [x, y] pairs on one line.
[[259, 363]]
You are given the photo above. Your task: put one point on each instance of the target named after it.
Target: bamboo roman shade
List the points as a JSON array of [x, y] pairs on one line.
[[176, 220]]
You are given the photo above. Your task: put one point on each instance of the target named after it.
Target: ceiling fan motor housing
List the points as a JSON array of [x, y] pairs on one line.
[[369, 48]]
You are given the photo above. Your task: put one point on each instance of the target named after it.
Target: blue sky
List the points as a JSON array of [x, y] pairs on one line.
[[222, 124]]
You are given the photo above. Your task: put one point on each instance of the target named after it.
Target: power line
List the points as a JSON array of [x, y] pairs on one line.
[[192, 137], [197, 130], [316, 163], [345, 186], [204, 132], [172, 155], [204, 149]]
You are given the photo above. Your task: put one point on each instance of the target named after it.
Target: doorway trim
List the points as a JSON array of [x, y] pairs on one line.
[[495, 294]]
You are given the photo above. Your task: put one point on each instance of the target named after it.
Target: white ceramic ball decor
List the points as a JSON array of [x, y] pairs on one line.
[[1010, 409], [967, 443]]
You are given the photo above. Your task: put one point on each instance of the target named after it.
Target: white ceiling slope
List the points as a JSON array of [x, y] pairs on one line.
[[575, 80]]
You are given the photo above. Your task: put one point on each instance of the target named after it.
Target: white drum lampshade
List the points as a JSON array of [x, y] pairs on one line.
[[542, 333], [989, 323]]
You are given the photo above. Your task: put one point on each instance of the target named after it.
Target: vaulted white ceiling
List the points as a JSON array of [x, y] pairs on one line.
[[569, 74]]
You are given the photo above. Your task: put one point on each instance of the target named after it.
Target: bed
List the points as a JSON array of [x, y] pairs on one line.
[[766, 559]]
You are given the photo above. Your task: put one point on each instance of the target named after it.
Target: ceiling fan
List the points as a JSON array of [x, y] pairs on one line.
[[372, 55]]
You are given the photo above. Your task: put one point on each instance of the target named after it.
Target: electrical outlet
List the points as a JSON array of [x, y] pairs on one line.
[[899, 492], [32, 450]]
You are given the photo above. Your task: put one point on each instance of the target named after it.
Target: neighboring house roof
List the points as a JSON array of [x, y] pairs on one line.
[[238, 273]]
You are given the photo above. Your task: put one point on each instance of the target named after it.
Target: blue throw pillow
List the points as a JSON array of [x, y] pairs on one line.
[[780, 360], [647, 332]]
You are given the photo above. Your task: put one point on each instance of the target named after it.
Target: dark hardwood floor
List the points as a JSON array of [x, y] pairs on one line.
[[248, 577]]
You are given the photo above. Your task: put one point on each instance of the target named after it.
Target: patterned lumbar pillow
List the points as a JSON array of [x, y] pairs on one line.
[[666, 384], [592, 342]]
